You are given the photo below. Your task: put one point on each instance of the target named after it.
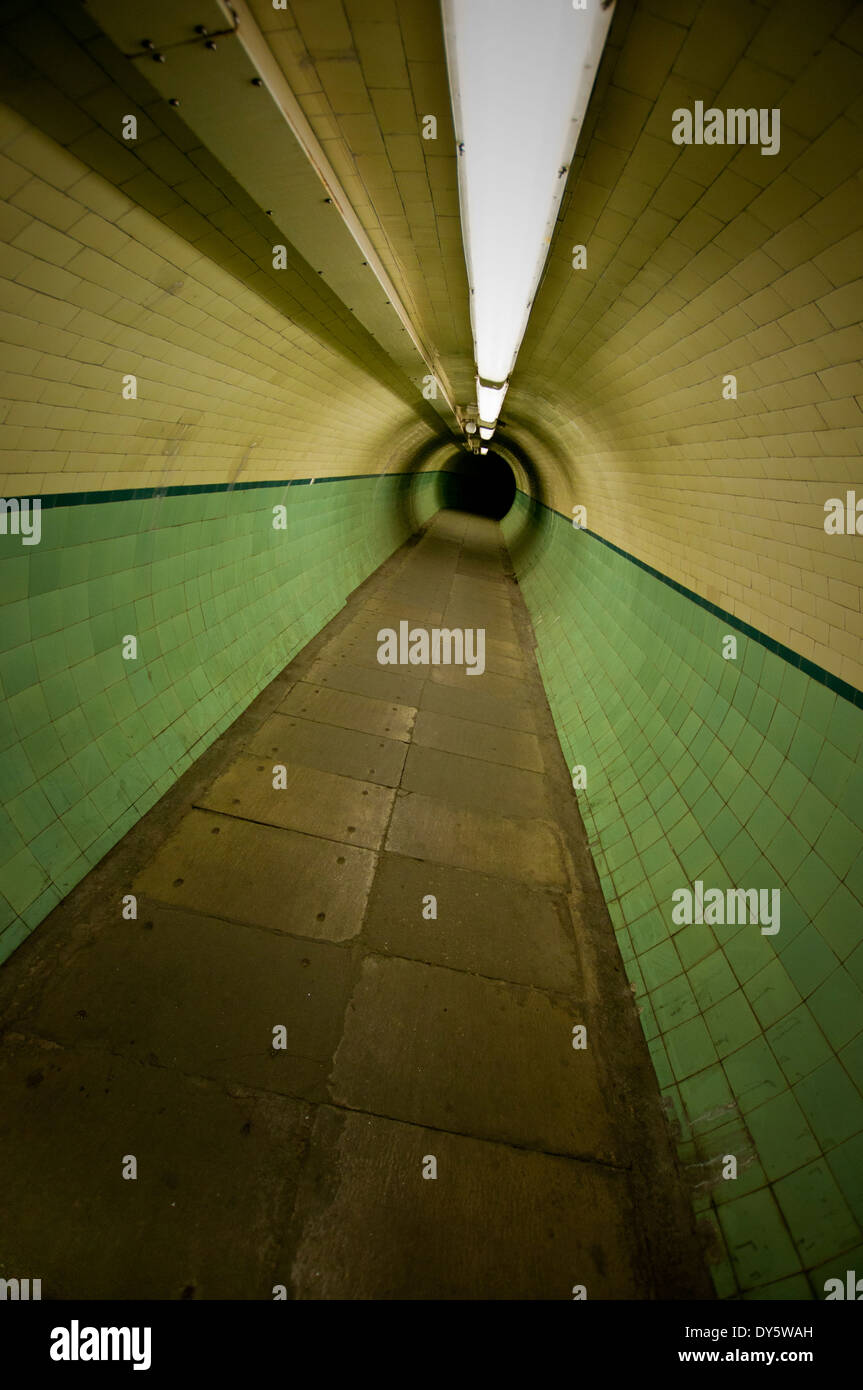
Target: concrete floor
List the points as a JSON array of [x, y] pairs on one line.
[[406, 1038]]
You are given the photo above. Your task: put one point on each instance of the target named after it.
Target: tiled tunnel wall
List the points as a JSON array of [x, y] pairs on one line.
[[365, 75], [219, 602], [742, 773], [153, 263], [702, 261]]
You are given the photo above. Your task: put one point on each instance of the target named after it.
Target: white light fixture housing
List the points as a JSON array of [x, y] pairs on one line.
[[489, 401], [486, 431], [483, 450], [520, 79]]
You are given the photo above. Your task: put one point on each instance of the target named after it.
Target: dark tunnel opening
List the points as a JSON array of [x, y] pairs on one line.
[[480, 483], [524, 538]]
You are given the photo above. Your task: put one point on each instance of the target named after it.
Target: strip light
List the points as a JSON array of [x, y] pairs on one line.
[[489, 399], [520, 79]]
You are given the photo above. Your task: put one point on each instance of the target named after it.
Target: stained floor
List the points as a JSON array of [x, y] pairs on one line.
[[413, 1030]]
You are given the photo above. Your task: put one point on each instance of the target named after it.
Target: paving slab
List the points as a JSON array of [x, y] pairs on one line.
[[471, 701], [312, 801], [400, 684], [203, 996], [496, 1222], [359, 647], [498, 627], [474, 784], [512, 689], [495, 585], [482, 607], [484, 925], [473, 1056], [424, 599], [479, 566], [217, 1174], [499, 663], [475, 739], [497, 582], [383, 609], [262, 876], [289, 739], [369, 716], [427, 827]]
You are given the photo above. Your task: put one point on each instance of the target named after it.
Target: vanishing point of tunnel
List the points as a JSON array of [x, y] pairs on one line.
[[430, 652]]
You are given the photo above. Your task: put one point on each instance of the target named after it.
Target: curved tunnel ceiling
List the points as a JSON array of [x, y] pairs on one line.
[[700, 264]]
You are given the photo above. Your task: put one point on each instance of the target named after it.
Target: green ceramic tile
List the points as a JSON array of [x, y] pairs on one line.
[[659, 964], [818, 705], [794, 688], [707, 1098], [782, 1136], [798, 1044], [838, 1267], [846, 1165], [854, 966], [817, 1215], [659, 1058], [750, 1175], [807, 960], [762, 711], [754, 1074], [839, 843], [805, 747], [693, 943], [782, 728], [786, 849], [854, 876], [831, 772], [794, 1288], [837, 1007], [845, 728], [771, 993], [674, 1003], [831, 1102], [740, 855], [712, 979], [731, 1023], [758, 1242], [689, 1048]]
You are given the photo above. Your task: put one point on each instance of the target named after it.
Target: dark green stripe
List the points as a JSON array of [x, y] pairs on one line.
[[81, 499]]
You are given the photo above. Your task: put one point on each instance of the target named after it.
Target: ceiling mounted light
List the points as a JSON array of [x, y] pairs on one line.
[[489, 399], [483, 450], [486, 431], [520, 79]]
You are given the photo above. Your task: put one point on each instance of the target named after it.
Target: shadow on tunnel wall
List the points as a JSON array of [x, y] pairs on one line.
[[46, 52]]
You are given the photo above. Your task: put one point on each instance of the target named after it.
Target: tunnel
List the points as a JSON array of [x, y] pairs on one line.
[[431, 651], [484, 486]]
